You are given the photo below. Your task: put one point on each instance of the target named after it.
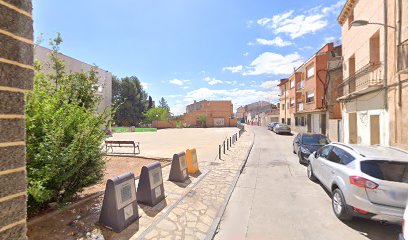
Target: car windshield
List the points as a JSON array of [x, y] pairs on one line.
[[314, 140], [386, 170]]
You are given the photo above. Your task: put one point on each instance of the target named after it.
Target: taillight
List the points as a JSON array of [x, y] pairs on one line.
[[362, 182]]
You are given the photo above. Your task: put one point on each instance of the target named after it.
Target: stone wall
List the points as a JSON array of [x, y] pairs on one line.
[[16, 77]]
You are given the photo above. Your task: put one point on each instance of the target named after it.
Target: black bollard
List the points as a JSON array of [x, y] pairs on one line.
[[219, 151]]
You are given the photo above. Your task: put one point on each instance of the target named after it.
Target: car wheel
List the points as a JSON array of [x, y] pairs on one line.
[[340, 206], [310, 174]]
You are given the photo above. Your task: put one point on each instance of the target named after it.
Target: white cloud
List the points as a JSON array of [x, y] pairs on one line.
[[234, 82], [178, 108], [178, 82], [298, 25], [212, 81], [246, 54], [233, 69], [273, 64], [335, 8], [272, 84], [329, 39], [145, 85], [250, 44], [279, 42]]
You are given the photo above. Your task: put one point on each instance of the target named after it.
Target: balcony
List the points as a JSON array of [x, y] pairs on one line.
[[403, 57], [369, 77]]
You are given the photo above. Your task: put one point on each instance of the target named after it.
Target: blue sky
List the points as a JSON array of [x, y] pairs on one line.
[[185, 50]]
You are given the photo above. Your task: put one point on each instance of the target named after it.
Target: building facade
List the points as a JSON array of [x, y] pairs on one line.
[[362, 93], [241, 114], [16, 78], [307, 102], [283, 100], [42, 54], [398, 72], [217, 114]]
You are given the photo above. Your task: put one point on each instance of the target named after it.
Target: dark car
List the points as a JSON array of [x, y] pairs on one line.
[[272, 125], [305, 144]]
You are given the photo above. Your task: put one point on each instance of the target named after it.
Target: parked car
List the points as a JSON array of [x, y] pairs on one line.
[[404, 234], [271, 125], [365, 181], [306, 143], [281, 128]]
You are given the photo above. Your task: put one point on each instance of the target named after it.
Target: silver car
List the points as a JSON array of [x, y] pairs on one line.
[[365, 181], [281, 128]]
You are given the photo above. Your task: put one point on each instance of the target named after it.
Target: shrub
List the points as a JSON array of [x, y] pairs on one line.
[[64, 135]]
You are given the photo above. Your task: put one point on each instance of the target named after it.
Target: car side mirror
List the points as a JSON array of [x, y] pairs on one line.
[[315, 154]]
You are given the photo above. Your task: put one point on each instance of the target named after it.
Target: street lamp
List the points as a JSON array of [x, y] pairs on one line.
[[359, 23]]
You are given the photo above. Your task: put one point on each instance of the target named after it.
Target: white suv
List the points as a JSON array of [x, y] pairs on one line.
[[365, 181], [404, 234]]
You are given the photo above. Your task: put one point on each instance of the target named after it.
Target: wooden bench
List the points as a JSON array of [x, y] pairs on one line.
[[111, 144]]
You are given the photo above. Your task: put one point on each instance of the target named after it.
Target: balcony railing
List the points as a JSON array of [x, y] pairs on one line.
[[371, 75], [403, 57], [300, 85]]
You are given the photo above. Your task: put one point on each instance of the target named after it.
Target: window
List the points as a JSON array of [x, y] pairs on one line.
[[375, 48], [315, 139], [292, 102], [324, 151], [310, 71], [292, 83], [309, 97], [283, 106], [296, 121], [386, 170], [283, 121], [288, 121], [338, 155]]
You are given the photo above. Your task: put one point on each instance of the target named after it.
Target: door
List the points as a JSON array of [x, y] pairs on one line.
[[374, 129], [353, 128], [309, 123], [318, 167], [335, 165], [323, 123]]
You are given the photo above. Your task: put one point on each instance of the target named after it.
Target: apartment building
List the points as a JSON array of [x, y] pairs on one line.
[[397, 94], [362, 93], [217, 113], [306, 100], [241, 114], [42, 54], [284, 100]]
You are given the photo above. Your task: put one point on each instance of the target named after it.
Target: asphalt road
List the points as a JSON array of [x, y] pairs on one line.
[[274, 199]]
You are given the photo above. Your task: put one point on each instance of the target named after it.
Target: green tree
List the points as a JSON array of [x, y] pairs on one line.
[[64, 134], [202, 119], [131, 102], [158, 113], [150, 103], [163, 104]]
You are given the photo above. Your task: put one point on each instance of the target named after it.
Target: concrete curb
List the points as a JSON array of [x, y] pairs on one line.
[[213, 230]]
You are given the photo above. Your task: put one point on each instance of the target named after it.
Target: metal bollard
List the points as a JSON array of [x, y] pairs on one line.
[[227, 144], [219, 152], [230, 142], [224, 146]]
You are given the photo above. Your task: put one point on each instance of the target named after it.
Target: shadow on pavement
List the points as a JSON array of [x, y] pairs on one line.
[[153, 211], [374, 230]]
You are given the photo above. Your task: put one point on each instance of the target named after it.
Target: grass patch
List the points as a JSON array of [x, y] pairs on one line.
[[128, 129]]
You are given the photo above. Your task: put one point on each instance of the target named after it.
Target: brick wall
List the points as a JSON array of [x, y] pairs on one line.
[[16, 77]]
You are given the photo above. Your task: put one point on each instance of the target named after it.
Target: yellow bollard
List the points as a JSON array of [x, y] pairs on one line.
[[192, 163]]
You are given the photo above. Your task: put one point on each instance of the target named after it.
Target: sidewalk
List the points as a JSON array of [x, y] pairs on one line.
[[194, 212]]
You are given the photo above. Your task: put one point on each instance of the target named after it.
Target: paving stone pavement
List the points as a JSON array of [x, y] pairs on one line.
[[193, 209]]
